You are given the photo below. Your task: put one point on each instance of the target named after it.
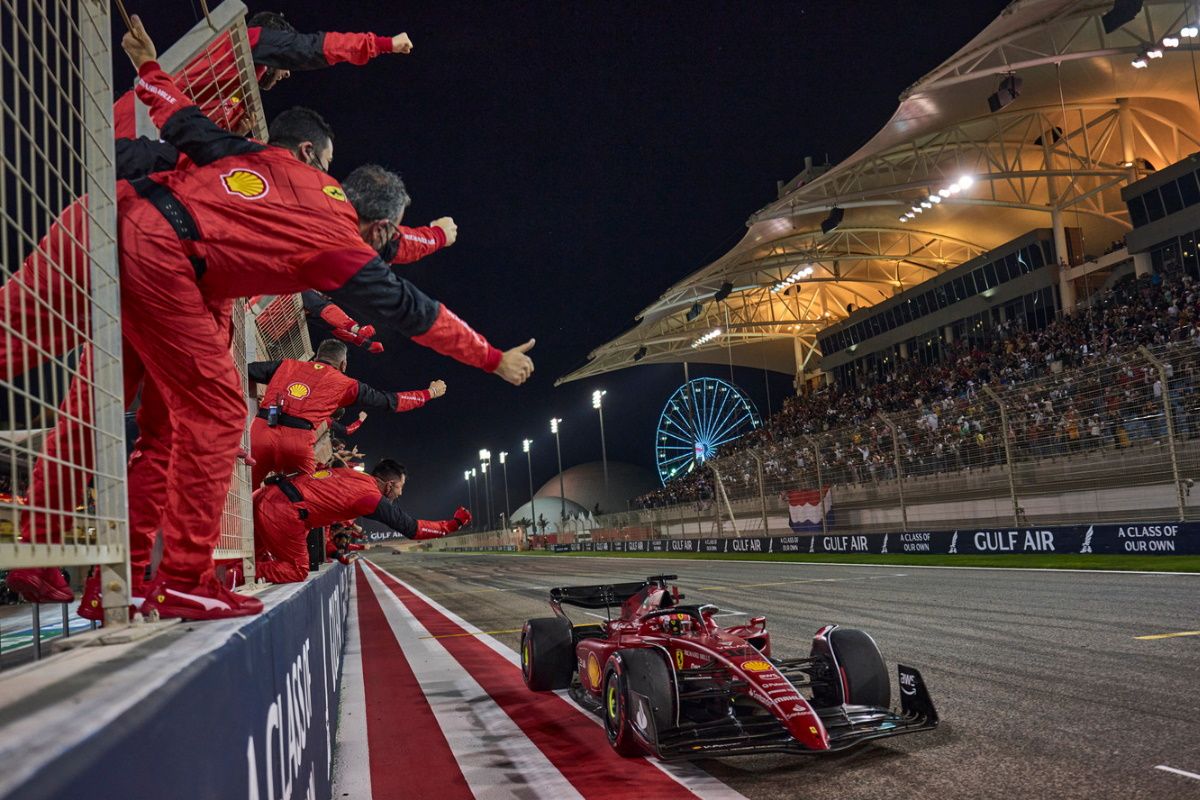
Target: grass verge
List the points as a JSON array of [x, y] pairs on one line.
[[1017, 560]]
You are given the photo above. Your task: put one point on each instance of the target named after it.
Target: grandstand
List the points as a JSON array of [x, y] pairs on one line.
[[843, 239], [995, 231]]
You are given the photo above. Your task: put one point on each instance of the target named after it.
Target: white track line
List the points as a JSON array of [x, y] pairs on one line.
[[484, 739], [677, 559], [689, 776], [352, 759], [1184, 773]]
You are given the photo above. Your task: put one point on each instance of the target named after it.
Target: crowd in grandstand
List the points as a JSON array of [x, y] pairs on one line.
[[208, 216], [1093, 392]]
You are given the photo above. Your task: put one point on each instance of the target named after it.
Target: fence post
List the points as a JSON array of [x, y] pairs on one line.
[[1008, 462], [1166, 401], [762, 492], [812, 442], [899, 469]]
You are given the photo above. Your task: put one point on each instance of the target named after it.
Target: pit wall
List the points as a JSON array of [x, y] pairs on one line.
[[243, 708]]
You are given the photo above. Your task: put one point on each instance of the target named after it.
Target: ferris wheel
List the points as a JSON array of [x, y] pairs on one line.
[[699, 417]]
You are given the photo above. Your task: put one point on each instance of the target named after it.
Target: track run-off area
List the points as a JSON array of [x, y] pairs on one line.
[[1063, 684]]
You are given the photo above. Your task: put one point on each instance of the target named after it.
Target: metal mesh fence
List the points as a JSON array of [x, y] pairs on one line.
[[62, 445], [1115, 438]]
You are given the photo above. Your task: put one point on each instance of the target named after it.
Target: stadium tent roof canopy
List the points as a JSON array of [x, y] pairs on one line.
[[1085, 124]]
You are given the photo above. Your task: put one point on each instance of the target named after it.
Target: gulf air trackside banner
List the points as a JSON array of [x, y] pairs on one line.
[[806, 507], [1176, 538]]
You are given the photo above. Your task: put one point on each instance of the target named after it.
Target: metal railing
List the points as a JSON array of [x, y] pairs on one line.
[[1116, 439]]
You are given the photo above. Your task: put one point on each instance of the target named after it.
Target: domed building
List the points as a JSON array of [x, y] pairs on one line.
[[584, 488]]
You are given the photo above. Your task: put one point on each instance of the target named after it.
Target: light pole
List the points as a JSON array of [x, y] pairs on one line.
[[485, 461], [562, 492], [467, 475], [525, 445], [504, 468], [475, 483], [598, 404]]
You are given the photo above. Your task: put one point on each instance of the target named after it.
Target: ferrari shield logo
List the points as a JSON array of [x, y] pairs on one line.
[[335, 192], [298, 390], [245, 183], [679, 659]]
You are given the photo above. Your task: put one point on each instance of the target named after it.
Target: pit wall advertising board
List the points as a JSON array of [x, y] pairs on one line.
[[1157, 538]]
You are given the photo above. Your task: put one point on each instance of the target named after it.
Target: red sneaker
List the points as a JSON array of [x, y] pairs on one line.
[[90, 606], [40, 585], [207, 599]]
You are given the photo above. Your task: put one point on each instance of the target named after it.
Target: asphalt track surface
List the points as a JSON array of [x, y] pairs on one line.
[[1043, 688]]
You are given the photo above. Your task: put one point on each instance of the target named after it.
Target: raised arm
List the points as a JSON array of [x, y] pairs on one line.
[[179, 120], [292, 50]]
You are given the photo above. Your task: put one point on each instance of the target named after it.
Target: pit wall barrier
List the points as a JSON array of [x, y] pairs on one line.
[[244, 708], [1181, 538]]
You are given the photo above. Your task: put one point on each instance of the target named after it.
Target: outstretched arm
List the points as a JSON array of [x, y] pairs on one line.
[[397, 401], [292, 50]]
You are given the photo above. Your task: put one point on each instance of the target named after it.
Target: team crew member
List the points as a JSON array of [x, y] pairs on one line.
[[340, 431], [287, 508], [339, 544], [44, 299], [277, 50], [272, 223], [319, 307], [300, 395]]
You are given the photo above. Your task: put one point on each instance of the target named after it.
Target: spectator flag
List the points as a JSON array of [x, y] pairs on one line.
[[805, 507]]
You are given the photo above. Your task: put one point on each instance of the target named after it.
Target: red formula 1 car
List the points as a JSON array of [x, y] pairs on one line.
[[671, 682]]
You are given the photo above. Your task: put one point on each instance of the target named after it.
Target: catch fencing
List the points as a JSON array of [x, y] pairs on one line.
[[62, 443], [1113, 439], [62, 425]]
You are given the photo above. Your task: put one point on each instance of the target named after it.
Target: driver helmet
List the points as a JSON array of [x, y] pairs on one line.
[[677, 624]]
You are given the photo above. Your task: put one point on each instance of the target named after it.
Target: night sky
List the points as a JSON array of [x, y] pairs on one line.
[[592, 154]]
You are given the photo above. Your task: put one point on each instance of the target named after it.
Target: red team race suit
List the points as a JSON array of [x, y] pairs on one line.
[[285, 509], [47, 300], [212, 79], [300, 395], [247, 219]]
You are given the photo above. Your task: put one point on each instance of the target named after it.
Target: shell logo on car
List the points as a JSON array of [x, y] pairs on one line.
[[593, 669], [756, 666], [245, 183]]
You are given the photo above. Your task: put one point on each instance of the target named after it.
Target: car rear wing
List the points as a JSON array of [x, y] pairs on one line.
[[604, 595]]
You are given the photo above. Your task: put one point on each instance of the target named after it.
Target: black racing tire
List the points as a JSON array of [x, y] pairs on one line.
[[547, 654], [642, 671], [866, 675]]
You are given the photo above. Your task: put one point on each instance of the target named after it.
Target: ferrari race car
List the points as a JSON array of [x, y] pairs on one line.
[[669, 681]]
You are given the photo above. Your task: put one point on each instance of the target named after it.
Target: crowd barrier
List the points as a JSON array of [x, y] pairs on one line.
[[242, 708], [1181, 538]]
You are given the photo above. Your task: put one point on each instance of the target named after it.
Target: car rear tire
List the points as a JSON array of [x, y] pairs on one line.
[[865, 675], [636, 671], [547, 654]]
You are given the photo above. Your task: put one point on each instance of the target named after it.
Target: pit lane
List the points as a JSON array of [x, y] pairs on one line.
[[1043, 689]]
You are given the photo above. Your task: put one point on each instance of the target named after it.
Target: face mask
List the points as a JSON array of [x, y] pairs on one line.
[[389, 250]]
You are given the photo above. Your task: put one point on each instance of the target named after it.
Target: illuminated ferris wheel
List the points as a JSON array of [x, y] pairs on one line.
[[700, 417]]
